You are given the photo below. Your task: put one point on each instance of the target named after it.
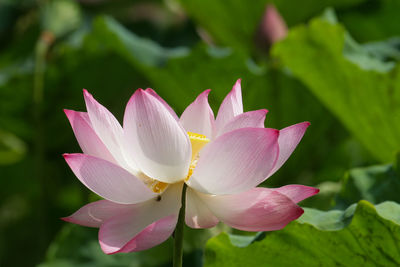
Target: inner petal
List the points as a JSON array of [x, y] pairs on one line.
[[198, 141]]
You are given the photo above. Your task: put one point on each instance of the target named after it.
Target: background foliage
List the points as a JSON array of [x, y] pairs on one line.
[[338, 68]]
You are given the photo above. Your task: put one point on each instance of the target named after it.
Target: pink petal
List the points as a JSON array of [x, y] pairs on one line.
[[198, 117], [153, 235], [289, 138], [254, 119], [158, 143], [108, 180], [259, 209], [171, 111], [87, 138], [297, 192], [197, 213], [95, 213], [147, 225], [230, 107], [107, 129], [236, 161]]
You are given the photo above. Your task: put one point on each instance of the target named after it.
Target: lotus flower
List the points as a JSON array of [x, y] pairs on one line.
[[140, 169]]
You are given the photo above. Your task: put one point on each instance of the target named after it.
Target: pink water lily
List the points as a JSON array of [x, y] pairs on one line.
[[140, 169]]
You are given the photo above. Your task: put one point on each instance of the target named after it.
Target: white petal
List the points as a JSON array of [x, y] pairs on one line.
[[230, 107], [88, 140], [252, 119], [108, 180], [236, 161], [198, 117], [95, 213], [159, 98], [259, 209], [197, 213], [121, 233], [288, 140], [158, 143], [107, 129]]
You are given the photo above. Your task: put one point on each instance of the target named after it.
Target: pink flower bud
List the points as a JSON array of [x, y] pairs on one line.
[[273, 27]]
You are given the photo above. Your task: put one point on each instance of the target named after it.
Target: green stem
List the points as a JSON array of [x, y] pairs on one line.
[[178, 234]]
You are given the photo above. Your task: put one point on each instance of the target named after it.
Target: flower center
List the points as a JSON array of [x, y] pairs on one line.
[[156, 186], [198, 141]]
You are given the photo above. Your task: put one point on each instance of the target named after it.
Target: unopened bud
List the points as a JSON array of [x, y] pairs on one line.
[[273, 27]]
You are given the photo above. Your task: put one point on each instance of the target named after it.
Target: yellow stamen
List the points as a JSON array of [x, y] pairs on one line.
[[156, 186], [198, 141], [191, 169]]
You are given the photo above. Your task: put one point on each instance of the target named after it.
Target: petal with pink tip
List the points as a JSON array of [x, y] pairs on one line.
[[148, 224], [289, 138], [236, 161], [198, 117], [153, 235], [197, 214], [297, 192], [158, 143], [88, 140], [108, 180], [253, 119], [230, 107], [259, 209], [95, 213], [168, 107], [107, 129]]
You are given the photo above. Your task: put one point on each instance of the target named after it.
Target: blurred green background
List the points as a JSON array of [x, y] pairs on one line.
[[337, 68]]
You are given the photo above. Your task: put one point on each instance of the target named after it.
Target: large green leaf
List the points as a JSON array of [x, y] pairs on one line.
[[373, 20], [108, 34], [234, 23], [352, 84], [362, 235], [296, 12], [78, 246], [375, 184]]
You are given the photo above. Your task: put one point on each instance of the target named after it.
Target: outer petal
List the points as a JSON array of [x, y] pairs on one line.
[[95, 213], [259, 209], [153, 235], [197, 213], [297, 192], [253, 118], [289, 138], [107, 129], [160, 145], [168, 107], [108, 180], [230, 107], [147, 224], [198, 117], [236, 161], [86, 136]]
